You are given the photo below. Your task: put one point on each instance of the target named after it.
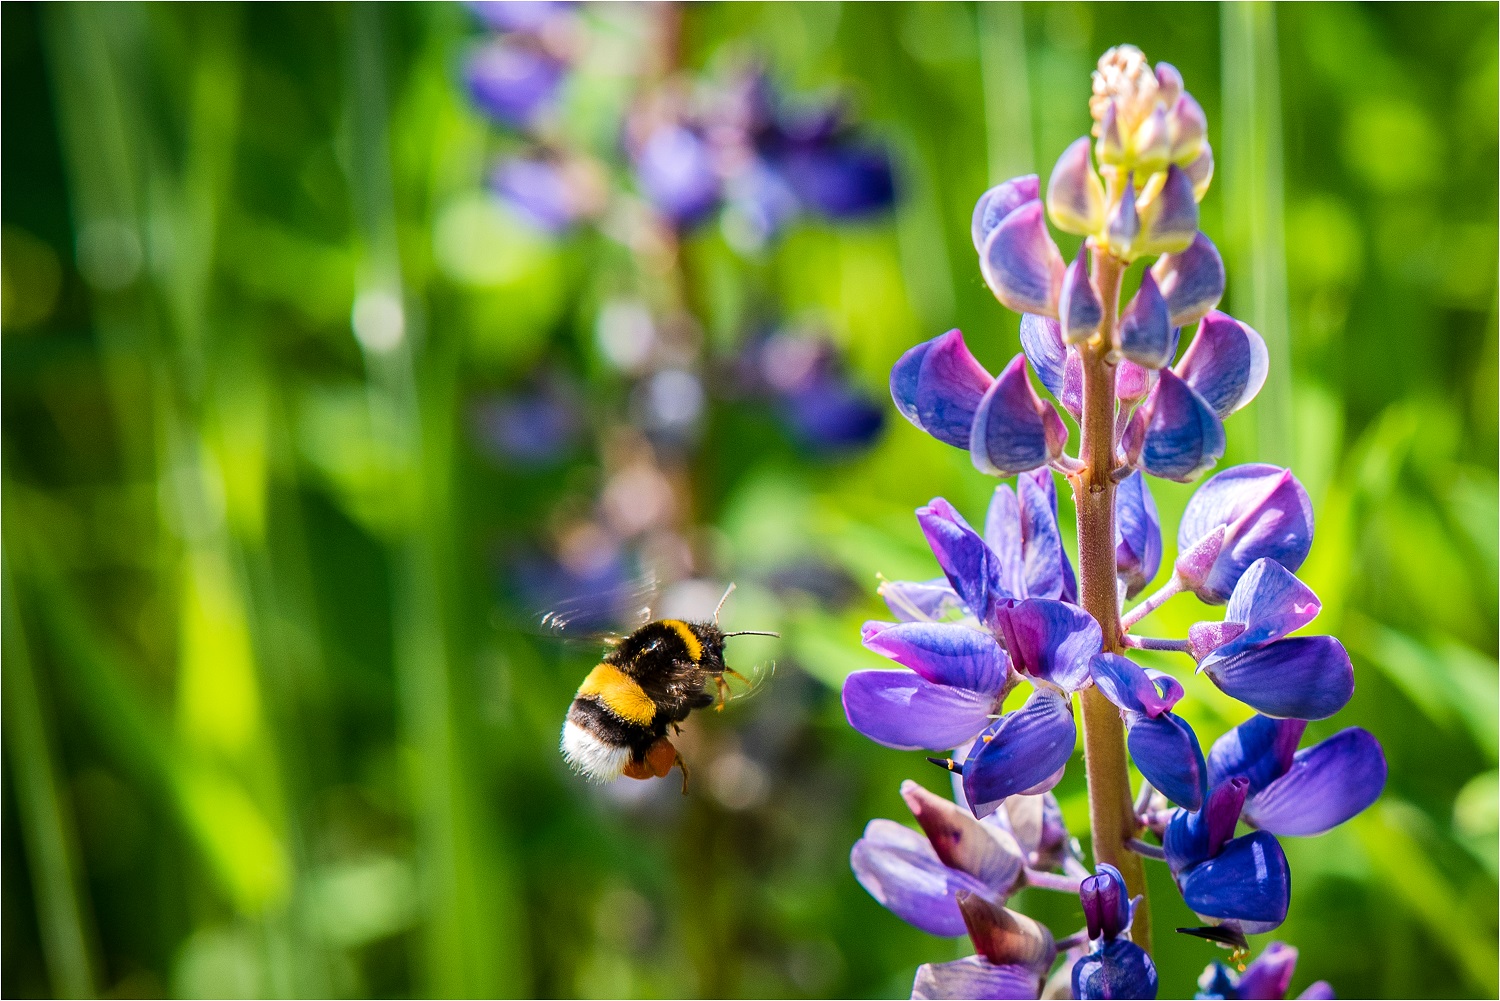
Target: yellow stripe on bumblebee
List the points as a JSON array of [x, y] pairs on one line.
[[619, 693], [689, 638]]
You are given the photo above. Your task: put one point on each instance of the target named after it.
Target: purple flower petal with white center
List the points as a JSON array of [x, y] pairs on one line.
[[1326, 785], [921, 601], [1106, 902], [1124, 225], [1226, 363], [997, 203], [1270, 974], [1021, 264], [902, 710], [937, 385], [1268, 602], [1174, 434], [1249, 880], [1014, 430], [974, 977], [1306, 677], [1137, 534], [970, 566], [1075, 196], [984, 851], [513, 83], [942, 652], [1024, 748], [1078, 307], [1192, 281], [1146, 333], [1052, 641], [1170, 218], [1056, 365], [1264, 512], [675, 171], [1118, 969], [1130, 688], [898, 867], [1260, 750], [1166, 750]]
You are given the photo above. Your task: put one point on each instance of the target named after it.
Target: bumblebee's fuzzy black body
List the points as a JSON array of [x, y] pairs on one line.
[[652, 679]]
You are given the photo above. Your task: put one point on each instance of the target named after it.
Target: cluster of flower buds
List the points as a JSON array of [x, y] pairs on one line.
[[1006, 609]]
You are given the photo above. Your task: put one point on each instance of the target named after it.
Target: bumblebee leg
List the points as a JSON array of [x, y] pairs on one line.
[[730, 670], [723, 692], [680, 763]]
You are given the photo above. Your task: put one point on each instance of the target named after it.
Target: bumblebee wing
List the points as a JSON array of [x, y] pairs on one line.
[[601, 614]]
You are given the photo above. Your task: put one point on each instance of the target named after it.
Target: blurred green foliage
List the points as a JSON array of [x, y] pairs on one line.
[[268, 725]]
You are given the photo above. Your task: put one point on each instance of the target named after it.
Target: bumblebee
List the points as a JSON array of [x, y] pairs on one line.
[[649, 681]]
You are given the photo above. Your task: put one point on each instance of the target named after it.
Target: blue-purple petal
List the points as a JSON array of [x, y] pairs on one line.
[[937, 385], [1166, 751], [1146, 333], [1269, 602], [898, 867], [974, 977], [1306, 677], [1004, 535], [921, 601], [1021, 264], [1126, 684], [1170, 220], [1191, 281], [512, 82], [1046, 570], [903, 710], [970, 566], [1078, 307], [1106, 902], [1226, 363], [1249, 880], [1260, 749], [1180, 436], [997, 203], [1050, 640], [1265, 512], [1137, 534], [1024, 748], [1118, 969], [1326, 785], [1270, 975], [944, 653], [1193, 836], [1013, 430], [1042, 340], [841, 180]]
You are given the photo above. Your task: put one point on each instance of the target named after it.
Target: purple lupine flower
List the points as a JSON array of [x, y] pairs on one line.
[[1021, 529], [1292, 792], [1242, 881], [675, 169], [1263, 512], [1116, 967], [1249, 658], [1269, 976], [1137, 534], [513, 82], [1162, 744]]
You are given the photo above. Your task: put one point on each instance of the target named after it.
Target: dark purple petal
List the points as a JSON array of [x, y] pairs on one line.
[[1127, 685], [1170, 219], [1180, 436], [1327, 784], [1192, 837], [513, 83], [1268, 602], [1021, 264], [1226, 364], [1248, 881], [1014, 430], [901, 709], [902, 872], [1269, 976], [1046, 571], [675, 171], [983, 851], [970, 566], [1119, 969], [944, 653], [1023, 749], [1265, 513], [974, 977], [1078, 307], [997, 203], [1106, 902], [1146, 328], [1260, 749], [921, 601], [1192, 281], [937, 385], [1075, 196], [841, 180], [1050, 640], [1306, 677], [1166, 751], [1137, 534]]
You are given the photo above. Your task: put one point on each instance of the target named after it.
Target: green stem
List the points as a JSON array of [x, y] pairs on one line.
[[1111, 817]]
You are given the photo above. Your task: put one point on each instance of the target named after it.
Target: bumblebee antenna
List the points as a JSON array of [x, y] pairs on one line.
[[720, 606], [752, 632]]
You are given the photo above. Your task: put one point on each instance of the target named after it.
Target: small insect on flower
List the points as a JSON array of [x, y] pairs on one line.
[[650, 680]]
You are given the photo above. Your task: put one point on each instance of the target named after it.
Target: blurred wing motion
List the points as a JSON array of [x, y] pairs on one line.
[[605, 612]]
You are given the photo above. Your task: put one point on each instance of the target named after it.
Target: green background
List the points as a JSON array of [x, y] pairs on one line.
[[269, 727]]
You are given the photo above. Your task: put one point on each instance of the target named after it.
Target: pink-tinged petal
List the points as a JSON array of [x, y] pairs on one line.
[[1127, 685], [1042, 340], [1132, 382], [966, 561], [1078, 307], [984, 851], [1075, 197], [1024, 748], [1306, 677], [1196, 563], [1201, 171], [1124, 225], [1012, 431], [1005, 937], [1021, 264], [1180, 437], [1191, 281], [937, 385], [898, 867], [974, 977], [1169, 84], [1137, 534], [1270, 975], [1152, 142], [1146, 326], [1268, 603], [1327, 784], [1226, 364], [921, 601], [945, 653], [1050, 640], [1259, 750], [1170, 219], [1264, 512], [901, 709], [997, 203], [1188, 127]]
